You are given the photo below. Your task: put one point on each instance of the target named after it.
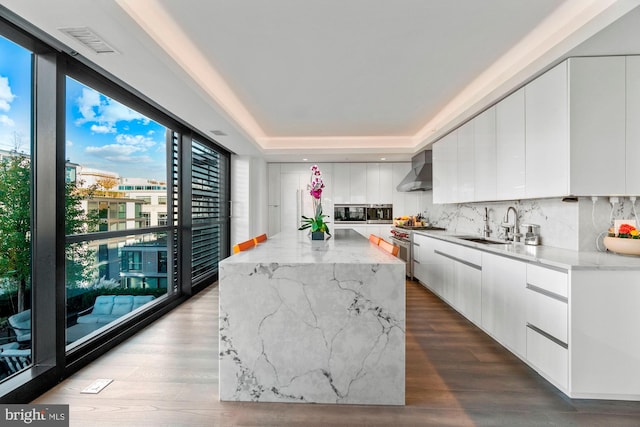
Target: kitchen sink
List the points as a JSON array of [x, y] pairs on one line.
[[483, 240]]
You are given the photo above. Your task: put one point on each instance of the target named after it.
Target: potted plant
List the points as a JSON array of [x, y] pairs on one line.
[[316, 223]]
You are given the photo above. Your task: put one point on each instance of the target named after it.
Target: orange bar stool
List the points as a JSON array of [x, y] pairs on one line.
[[374, 239], [243, 246], [259, 239], [392, 249]]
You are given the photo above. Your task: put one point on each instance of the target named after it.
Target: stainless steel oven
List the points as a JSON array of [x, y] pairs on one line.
[[350, 214], [402, 238], [380, 214]]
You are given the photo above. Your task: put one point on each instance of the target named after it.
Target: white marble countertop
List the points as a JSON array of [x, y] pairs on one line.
[[344, 247], [546, 255]]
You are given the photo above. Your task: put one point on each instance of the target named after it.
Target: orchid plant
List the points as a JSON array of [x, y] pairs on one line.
[[315, 186]]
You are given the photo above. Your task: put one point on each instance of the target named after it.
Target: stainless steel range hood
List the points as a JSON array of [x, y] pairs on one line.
[[420, 178]]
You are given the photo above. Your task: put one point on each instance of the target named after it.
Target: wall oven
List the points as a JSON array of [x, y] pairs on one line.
[[380, 214], [350, 214]]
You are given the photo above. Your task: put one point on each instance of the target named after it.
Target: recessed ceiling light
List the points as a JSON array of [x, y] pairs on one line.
[[304, 160], [383, 158]]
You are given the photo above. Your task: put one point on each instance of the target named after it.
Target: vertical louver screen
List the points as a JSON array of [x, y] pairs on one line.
[[208, 210], [173, 138]]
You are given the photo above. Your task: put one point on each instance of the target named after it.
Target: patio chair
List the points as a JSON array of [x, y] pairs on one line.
[[21, 325]]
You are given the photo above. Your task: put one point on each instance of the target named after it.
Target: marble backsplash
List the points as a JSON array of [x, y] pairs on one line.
[[576, 225]]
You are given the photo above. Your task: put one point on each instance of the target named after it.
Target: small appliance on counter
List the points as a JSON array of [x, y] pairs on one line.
[[531, 234]]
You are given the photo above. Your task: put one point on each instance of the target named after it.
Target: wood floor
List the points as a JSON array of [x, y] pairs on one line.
[[167, 375]]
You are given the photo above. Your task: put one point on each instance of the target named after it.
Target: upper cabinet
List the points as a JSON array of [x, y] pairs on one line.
[[632, 126], [380, 183], [510, 147], [466, 159], [485, 155], [546, 134], [575, 129], [570, 132], [445, 169]]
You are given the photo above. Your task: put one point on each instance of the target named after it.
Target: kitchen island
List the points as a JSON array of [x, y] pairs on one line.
[[313, 321]]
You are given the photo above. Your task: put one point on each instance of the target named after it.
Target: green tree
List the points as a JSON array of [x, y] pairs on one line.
[[15, 222], [15, 227]]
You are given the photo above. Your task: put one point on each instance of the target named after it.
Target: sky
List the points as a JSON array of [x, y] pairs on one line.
[[101, 133], [15, 97]]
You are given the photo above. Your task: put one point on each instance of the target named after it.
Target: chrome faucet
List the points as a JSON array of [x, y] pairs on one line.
[[487, 228], [512, 231]]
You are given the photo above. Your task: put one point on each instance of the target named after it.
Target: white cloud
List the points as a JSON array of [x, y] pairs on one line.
[[106, 112], [102, 129], [136, 140], [113, 150], [6, 120], [69, 143], [6, 96]]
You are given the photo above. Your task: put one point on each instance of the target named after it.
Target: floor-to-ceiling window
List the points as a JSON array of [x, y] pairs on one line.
[[95, 212], [15, 208], [114, 254]]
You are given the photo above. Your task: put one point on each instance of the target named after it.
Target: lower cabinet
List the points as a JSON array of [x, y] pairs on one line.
[[547, 311], [504, 301], [548, 357], [577, 328], [454, 272]]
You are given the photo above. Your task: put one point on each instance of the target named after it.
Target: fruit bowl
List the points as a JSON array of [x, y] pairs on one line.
[[622, 246]]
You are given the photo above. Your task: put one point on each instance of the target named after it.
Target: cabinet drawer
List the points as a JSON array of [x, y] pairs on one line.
[[547, 313], [459, 253], [549, 358], [550, 280]]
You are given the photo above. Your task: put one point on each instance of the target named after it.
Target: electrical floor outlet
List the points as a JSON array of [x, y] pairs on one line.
[[97, 386]]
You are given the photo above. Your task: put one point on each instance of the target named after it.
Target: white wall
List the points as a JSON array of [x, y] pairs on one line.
[[249, 197]]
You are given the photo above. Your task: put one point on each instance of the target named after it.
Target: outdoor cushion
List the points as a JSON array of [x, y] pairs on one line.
[[103, 305], [122, 304], [140, 300]]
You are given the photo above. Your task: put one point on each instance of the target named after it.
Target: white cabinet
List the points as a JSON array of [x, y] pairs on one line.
[[379, 183], [547, 134], [350, 183], [273, 198], [459, 276], [342, 179], [575, 129], [504, 301], [466, 162], [398, 172], [632, 126], [547, 323], [295, 201], [485, 167], [425, 264], [445, 169], [510, 147], [597, 125], [358, 182]]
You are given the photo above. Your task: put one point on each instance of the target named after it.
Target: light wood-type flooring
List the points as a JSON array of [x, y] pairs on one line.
[[167, 375]]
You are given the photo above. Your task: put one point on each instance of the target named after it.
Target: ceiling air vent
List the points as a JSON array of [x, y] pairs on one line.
[[218, 132], [88, 38]]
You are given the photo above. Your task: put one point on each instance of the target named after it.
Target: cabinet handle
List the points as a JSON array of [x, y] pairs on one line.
[[416, 261], [547, 293], [416, 244], [477, 267], [547, 336]]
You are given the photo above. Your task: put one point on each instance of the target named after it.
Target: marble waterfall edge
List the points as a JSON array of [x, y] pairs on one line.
[[323, 333]]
